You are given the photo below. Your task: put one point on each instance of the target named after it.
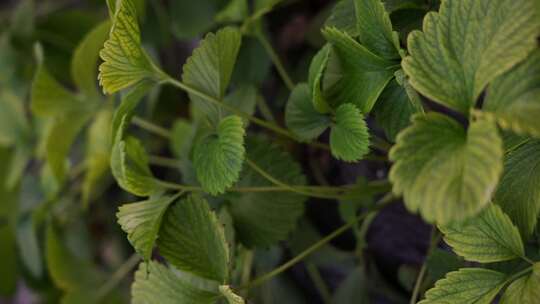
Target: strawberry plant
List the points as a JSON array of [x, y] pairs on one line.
[[433, 105]]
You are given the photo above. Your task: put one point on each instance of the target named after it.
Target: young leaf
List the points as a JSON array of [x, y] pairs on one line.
[[218, 157], [193, 240], [442, 170], [363, 75], [210, 67], [525, 289], [468, 285], [349, 136], [229, 294], [129, 165], [155, 283], [375, 29], [394, 110], [263, 218], [142, 221], [513, 98], [85, 59], [518, 193], [125, 61], [486, 238], [483, 39], [301, 117]]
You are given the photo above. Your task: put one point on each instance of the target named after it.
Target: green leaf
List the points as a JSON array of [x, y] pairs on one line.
[[60, 139], [128, 104], [125, 63], [218, 157], [229, 294], [394, 110], [375, 29], [482, 40], [210, 67], [50, 98], [67, 271], [142, 221], [513, 99], [525, 289], [518, 193], [445, 172], [468, 285], [301, 117], [98, 147], [361, 75], [235, 11], [343, 17], [129, 165], [193, 240], [486, 238], [191, 19], [315, 79], [263, 218], [349, 136], [439, 262], [14, 126], [243, 98], [155, 283], [85, 59], [183, 135]]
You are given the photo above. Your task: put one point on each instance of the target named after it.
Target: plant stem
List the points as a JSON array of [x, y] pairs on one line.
[[275, 59], [265, 277], [118, 276], [277, 182], [319, 283], [164, 162], [151, 127], [435, 238]]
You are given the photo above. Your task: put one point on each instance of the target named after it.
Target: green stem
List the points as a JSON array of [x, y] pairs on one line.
[[164, 162], [435, 238], [118, 276], [265, 110], [151, 127], [519, 274], [381, 144], [277, 182], [319, 283], [265, 277], [275, 59]]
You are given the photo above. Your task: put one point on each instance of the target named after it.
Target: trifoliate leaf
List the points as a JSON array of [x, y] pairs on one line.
[[128, 104], [218, 157], [468, 285], [155, 283], [349, 136], [518, 193], [315, 79], [85, 59], [375, 29], [301, 117], [98, 147], [229, 294], [525, 289], [193, 240], [129, 165], [142, 221], [486, 238], [263, 218], [125, 61], [362, 75], [513, 98], [210, 67], [482, 40], [444, 171], [394, 109]]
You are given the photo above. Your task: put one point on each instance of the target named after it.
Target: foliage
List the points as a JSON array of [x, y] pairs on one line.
[[450, 109]]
